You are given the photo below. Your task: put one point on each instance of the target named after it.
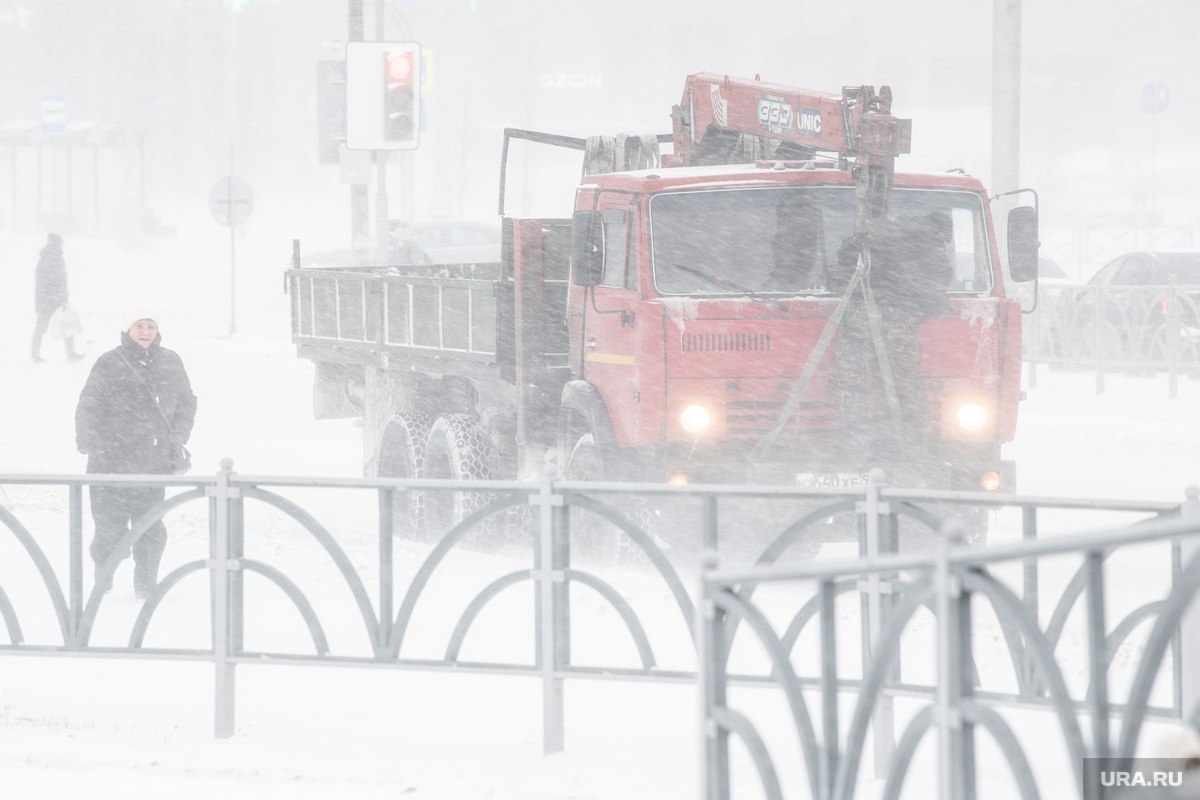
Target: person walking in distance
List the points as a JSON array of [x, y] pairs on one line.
[[50, 294], [404, 251], [135, 411]]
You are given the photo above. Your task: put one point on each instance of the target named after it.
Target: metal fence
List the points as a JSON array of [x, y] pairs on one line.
[[345, 559], [964, 590], [1088, 243], [1142, 330]]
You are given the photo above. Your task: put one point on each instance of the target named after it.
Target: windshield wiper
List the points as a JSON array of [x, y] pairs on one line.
[[717, 280]]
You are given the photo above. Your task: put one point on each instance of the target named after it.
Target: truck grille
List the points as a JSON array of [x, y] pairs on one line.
[[725, 342], [753, 418]]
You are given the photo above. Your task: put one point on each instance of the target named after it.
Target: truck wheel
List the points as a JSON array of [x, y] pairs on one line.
[[402, 455], [455, 450], [594, 538], [585, 462]]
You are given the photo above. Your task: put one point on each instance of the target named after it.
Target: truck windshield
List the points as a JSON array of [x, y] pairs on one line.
[[787, 240]]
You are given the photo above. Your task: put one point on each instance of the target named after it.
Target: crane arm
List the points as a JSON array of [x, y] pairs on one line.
[[856, 127]]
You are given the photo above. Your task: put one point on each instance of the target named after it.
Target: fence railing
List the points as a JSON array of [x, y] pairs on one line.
[[1115, 329], [358, 584], [965, 592]]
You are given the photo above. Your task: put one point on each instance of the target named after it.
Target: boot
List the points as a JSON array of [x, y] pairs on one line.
[[104, 586], [144, 581], [72, 353]]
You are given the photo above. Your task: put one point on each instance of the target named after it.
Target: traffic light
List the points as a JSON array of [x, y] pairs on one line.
[[401, 82], [383, 95]]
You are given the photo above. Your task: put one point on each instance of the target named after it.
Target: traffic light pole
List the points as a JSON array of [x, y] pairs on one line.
[[381, 207], [360, 211], [381, 159]]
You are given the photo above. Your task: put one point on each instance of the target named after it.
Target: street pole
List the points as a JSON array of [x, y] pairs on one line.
[[360, 211], [381, 159], [232, 249], [1006, 95]]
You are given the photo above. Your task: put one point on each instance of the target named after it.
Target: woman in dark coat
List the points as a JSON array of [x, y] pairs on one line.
[[50, 294], [121, 423]]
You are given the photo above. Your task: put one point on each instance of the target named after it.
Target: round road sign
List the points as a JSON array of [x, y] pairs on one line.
[[230, 201], [1155, 98]]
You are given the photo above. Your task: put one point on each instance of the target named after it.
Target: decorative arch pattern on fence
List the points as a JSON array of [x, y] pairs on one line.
[[535, 522]]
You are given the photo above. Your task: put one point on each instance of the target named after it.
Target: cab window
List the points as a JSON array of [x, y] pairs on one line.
[[616, 247]]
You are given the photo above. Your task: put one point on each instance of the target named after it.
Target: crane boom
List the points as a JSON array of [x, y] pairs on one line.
[[857, 127]]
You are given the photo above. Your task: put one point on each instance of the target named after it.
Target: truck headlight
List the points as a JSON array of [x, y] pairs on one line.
[[971, 417], [694, 419]]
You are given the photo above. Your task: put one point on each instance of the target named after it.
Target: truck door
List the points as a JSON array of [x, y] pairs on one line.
[[605, 351]]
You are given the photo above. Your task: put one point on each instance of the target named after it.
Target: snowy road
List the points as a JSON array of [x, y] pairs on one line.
[[139, 729]]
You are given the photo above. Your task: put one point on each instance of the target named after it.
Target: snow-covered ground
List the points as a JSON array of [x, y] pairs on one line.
[[133, 729]]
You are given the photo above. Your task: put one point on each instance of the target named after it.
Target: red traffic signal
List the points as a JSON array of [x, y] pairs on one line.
[[398, 66], [383, 95], [399, 97]]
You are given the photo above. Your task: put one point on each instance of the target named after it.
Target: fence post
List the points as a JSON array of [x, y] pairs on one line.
[[1190, 624], [75, 501], [872, 590], [710, 673], [554, 636], [387, 518], [222, 624], [952, 656]]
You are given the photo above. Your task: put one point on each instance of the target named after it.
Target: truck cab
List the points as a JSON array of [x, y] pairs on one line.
[[699, 296]]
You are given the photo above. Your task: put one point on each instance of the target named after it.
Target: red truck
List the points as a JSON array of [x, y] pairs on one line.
[[769, 302]]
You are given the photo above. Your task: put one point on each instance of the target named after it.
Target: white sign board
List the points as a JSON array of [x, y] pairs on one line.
[[230, 201], [367, 90]]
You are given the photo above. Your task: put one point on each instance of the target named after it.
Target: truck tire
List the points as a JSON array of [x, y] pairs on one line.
[[592, 538], [585, 460], [402, 455], [456, 450]]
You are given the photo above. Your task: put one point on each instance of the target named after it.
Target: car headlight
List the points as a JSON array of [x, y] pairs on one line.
[[694, 419], [971, 417]]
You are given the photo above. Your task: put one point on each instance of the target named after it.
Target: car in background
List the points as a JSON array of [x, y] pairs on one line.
[[1049, 270], [1150, 269], [1151, 308]]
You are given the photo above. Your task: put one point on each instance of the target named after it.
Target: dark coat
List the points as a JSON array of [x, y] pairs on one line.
[[406, 253], [50, 280], [116, 422]]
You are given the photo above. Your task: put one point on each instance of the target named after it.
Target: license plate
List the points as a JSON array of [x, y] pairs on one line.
[[830, 480]]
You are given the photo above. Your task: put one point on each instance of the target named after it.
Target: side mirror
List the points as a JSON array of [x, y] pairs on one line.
[[1023, 243], [587, 248]]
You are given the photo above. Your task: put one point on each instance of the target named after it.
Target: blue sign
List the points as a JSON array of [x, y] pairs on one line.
[[54, 114], [1155, 98]]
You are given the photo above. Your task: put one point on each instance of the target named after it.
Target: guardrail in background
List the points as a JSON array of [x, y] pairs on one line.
[[1131, 329], [539, 536], [1098, 243]]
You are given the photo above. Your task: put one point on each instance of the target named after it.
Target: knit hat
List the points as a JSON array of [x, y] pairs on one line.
[[132, 315]]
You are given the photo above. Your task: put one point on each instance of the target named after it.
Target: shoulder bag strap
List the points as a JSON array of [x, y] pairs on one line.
[[157, 407]]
